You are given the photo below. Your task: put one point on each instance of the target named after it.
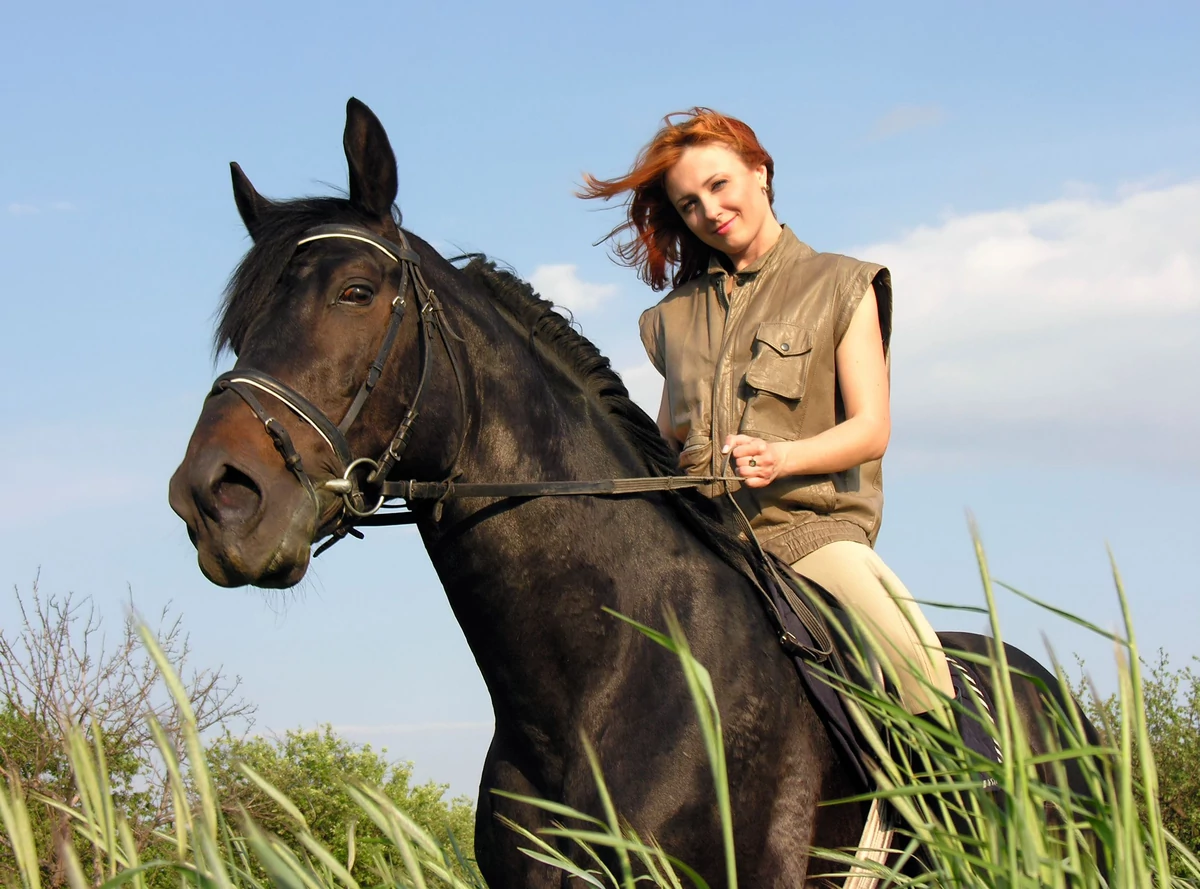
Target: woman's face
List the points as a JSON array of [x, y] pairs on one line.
[[722, 201]]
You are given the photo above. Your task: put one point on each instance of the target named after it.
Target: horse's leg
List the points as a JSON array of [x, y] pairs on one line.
[[798, 823], [500, 861], [784, 811]]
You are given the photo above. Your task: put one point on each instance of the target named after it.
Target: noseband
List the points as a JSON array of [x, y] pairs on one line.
[[355, 472]]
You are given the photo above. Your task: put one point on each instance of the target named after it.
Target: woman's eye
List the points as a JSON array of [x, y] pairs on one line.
[[716, 186], [357, 295]]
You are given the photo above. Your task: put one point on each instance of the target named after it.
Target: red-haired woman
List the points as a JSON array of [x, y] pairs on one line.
[[775, 358]]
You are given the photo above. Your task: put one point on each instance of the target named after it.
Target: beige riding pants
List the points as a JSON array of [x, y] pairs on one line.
[[855, 576]]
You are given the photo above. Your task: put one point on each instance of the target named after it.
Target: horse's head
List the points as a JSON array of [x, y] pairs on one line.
[[323, 306]]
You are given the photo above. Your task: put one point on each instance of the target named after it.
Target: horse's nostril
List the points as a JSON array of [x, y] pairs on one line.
[[236, 495]]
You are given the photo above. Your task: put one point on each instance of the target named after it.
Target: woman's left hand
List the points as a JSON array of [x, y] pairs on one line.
[[756, 461]]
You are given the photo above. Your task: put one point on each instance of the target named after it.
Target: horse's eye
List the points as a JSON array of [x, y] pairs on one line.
[[357, 295]]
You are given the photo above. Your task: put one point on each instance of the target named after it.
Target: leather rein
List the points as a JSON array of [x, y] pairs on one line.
[[363, 484]]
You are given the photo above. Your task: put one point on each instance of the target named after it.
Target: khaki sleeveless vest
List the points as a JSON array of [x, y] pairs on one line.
[[754, 352]]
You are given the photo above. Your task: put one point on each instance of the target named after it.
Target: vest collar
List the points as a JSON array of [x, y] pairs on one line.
[[787, 244]]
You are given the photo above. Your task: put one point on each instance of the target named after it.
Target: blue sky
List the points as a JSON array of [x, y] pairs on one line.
[[1030, 172]]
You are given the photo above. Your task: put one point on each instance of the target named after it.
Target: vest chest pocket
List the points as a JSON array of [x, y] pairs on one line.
[[779, 361]]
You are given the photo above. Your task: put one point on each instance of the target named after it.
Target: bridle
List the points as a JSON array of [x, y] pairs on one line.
[[356, 474], [362, 482], [362, 508]]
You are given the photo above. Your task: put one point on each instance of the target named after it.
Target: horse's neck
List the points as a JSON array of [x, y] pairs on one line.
[[534, 418], [527, 577]]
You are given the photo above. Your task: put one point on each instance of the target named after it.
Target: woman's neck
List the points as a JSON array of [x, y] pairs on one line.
[[766, 238]]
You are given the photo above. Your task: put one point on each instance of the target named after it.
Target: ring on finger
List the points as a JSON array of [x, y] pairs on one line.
[[753, 462]]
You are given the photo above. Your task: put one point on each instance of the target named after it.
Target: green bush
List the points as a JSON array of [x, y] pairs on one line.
[[314, 770], [1172, 702], [69, 701], [60, 670]]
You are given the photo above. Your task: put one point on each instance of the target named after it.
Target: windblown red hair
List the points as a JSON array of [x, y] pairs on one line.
[[659, 239]]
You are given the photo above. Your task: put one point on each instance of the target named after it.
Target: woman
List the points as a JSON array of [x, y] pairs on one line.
[[775, 361]]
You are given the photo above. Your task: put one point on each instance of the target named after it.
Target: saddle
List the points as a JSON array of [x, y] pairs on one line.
[[803, 611]]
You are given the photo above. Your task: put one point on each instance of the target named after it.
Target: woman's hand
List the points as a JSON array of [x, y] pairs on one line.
[[756, 461]]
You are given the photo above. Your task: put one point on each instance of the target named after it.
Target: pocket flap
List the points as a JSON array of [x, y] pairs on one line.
[[786, 339], [772, 368]]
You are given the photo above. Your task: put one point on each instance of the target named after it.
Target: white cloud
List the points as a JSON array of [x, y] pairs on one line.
[[907, 117], [562, 285], [1062, 331]]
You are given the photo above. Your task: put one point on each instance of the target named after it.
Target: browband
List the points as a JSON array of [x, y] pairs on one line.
[[356, 233]]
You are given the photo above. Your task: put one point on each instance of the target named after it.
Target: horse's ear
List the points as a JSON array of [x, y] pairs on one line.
[[251, 205], [372, 163]]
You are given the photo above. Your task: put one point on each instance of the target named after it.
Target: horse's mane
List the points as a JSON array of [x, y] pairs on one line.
[[593, 371], [595, 374]]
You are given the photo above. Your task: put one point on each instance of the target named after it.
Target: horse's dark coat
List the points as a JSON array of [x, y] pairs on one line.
[[526, 579]]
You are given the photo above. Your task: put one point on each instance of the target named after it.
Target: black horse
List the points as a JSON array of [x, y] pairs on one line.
[[480, 381]]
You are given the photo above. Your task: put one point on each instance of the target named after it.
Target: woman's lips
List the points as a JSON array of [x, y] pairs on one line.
[[724, 229]]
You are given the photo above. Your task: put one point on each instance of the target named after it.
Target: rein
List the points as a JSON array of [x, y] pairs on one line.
[[363, 484], [357, 510]]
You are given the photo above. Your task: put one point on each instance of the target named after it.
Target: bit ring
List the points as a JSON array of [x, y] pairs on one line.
[[348, 496]]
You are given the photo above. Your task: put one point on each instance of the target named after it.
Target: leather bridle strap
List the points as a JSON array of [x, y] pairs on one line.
[[414, 490], [277, 431], [385, 348], [439, 492], [241, 378], [401, 253], [405, 257], [243, 381]]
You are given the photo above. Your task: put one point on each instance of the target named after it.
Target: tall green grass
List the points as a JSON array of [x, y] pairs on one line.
[[1031, 831]]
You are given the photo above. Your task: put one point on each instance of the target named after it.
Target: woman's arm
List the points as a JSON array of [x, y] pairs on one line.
[[863, 436]]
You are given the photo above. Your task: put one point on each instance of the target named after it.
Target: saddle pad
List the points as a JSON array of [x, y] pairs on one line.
[[825, 698], [974, 694], [971, 690]]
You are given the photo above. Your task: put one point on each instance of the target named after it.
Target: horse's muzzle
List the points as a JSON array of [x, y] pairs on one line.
[[247, 526]]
